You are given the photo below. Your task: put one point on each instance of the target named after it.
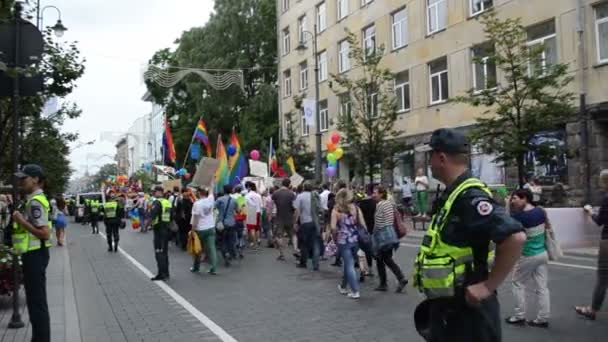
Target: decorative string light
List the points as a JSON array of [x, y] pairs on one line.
[[219, 79]]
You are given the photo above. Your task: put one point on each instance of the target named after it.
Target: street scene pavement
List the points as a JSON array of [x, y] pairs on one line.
[[95, 295]]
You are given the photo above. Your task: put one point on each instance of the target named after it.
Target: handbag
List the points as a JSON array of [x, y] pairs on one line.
[[219, 225], [362, 233], [194, 246], [554, 250], [399, 225]]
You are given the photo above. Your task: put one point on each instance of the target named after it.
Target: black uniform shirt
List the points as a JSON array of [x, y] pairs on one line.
[[474, 221]]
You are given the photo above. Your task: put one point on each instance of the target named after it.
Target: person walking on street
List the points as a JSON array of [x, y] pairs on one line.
[[534, 262], [307, 214], [31, 239], [227, 209], [113, 214], [451, 268], [94, 216], [204, 225], [283, 200], [601, 283], [160, 219], [254, 215], [60, 222], [385, 240], [422, 192], [344, 219], [183, 216]]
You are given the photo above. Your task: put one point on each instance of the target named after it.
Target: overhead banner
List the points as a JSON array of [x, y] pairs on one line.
[[309, 106], [258, 168]]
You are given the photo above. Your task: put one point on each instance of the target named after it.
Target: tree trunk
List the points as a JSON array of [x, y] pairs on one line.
[[520, 170]]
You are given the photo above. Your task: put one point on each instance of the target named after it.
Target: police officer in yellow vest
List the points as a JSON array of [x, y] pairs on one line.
[[160, 219], [452, 268], [31, 235], [94, 215], [113, 215]]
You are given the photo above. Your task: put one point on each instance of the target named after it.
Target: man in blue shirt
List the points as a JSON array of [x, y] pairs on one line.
[[227, 208]]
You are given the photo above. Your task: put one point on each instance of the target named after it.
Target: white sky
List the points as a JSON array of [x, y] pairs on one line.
[[117, 38]]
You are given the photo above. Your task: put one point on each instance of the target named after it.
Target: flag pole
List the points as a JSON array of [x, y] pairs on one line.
[[190, 144]]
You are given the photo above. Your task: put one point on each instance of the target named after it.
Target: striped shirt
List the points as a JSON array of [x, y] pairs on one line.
[[384, 214]]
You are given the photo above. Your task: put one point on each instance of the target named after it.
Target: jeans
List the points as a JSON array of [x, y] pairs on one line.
[[207, 238], [142, 218], [385, 258], [240, 238], [161, 250], [309, 239], [348, 253], [531, 268], [229, 242], [34, 282]]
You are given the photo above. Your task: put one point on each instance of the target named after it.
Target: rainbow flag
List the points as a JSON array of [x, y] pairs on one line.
[[201, 134], [168, 146], [222, 175], [238, 162]]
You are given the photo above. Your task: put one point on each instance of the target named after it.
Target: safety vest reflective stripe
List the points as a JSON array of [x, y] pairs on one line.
[[23, 240], [440, 267], [165, 215], [110, 209], [94, 207]]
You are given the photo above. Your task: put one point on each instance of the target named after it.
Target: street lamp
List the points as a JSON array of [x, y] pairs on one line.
[[58, 28], [302, 47]]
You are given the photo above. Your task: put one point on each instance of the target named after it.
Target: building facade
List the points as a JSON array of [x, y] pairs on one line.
[[430, 46], [122, 156], [154, 140]]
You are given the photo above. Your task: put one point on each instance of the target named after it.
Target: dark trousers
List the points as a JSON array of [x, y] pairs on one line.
[[112, 234], [161, 250], [229, 237], [182, 233], [34, 282], [308, 239], [452, 321], [385, 258], [94, 226]]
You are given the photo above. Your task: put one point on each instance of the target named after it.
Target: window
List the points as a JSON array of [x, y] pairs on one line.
[[369, 40], [438, 71], [305, 127], [302, 26], [399, 19], [542, 35], [372, 105], [601, 32], [287, 83], [402, 91], [322, 57], [321, 17], [342, 9], [345, 106], [286, 41], [437, 15], [343, 56], [478, 6], [323, 116], [365, 2], [303, 75], [285, 5], [484, 69]]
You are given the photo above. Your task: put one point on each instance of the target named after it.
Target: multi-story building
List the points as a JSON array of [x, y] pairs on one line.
[[122, 156], [156, 126], [430, 45]]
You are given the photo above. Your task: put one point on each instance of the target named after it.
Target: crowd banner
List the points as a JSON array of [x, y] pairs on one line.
[[258, 168], [573, 228], [296, 180], [205, 172], [169, 185], [260, 183]]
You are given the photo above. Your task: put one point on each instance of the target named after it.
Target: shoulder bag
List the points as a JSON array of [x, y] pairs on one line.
[[399, 225], [554, 250]]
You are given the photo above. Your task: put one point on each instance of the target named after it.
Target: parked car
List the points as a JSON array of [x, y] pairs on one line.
[[81, 209]]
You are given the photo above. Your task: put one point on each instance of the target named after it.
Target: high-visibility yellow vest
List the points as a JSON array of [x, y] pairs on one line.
[[441, 268], [165, 215], [23, 240], [110, 209], [94, 207]]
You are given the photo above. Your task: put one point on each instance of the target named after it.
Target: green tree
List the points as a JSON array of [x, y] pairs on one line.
[[102, 175], [530, 97], [370, 135], [293, 145], [43, 142], [239, 35]]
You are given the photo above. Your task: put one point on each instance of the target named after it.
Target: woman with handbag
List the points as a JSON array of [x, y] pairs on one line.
[[601, 285], [385, 240], [532, 265]]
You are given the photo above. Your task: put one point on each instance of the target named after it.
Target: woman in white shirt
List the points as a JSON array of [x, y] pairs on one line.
[[422, 188], [203, 222]]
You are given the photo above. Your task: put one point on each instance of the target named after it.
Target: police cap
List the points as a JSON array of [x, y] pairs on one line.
[[447, 140], [30, 170]]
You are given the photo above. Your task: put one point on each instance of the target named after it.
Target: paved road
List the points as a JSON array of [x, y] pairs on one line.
[[262, 299]]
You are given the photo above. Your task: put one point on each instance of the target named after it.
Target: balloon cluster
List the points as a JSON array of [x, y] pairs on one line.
[[334, 153], [183, 173], [117, 179]]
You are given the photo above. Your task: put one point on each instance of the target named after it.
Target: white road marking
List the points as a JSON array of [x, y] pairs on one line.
[[554, 263], [206, 321]]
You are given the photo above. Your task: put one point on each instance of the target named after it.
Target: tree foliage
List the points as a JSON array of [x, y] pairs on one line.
[[293, 145], [529, 98], [370, 135], [239, 35], [43, 143], [102, 175]]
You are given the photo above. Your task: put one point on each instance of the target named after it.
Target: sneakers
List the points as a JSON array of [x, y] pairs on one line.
[[402, 284], [194, 269], [354, 295], [342, 290], [515, 320], [538, 323]]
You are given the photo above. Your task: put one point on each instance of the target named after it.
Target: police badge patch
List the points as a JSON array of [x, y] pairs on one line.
[[36, 212], [484, 208]]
